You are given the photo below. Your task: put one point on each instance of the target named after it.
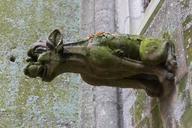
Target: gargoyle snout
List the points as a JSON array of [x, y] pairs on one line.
[[26, 72], [29, 71], [35, 70]]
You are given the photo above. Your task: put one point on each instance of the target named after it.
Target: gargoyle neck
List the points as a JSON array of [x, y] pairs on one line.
[[74, 64]]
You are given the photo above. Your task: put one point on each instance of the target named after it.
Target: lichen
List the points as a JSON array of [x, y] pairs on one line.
[[186, 119], [182, 85], [139, 106], [152, 51], [29, 102], [156, 117], [145, 123], [184, 3], [187, 20], [187, 24]]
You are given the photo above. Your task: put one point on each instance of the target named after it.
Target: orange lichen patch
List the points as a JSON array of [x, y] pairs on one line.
[[90, 36], [90, 44], [97, 34], [100, 33]]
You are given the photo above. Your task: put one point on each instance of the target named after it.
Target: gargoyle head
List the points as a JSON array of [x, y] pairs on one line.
[[44, 58]]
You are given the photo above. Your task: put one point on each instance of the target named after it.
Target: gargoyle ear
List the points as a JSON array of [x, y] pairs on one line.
[[55, 37]]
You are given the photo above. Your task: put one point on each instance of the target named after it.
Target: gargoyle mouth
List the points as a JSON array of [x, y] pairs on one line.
[[36, 70], [42, 72]]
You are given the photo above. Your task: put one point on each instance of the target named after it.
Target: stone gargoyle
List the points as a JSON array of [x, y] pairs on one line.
[[104, 59]]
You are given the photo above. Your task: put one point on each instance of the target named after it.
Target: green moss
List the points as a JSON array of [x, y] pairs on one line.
[[187, 20], [149, 46], [145, 123], [139, 106], [188, 38], [182, 85], [186, 118], [129, 45], [166, 35], [184, 3], [152, 51], [26, 102], [101, 56], [156, 117]]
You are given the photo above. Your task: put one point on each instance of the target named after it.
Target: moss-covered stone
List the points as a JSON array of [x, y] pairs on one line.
[[184, 3], [156, 117], [186, 119], [145, 123], [152, 51], [187, 25], [139, 107], [182, 85]]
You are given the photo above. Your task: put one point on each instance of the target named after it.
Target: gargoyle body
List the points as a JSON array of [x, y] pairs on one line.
[[104, 59]]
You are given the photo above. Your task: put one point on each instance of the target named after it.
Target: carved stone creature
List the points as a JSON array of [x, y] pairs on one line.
[[104, 59]]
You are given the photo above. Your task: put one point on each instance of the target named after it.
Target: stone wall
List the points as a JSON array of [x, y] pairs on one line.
[[135, 109], [175, 17], [99, 105], [26, 102]]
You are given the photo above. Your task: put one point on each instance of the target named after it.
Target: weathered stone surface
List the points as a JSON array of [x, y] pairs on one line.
[[87, 111], [174, 17], [96, 16], [29, 102]]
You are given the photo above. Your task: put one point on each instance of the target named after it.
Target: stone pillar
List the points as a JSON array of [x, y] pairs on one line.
[[87, 116], [136, 10], [129, 14], [99, 107], [123, 16]]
